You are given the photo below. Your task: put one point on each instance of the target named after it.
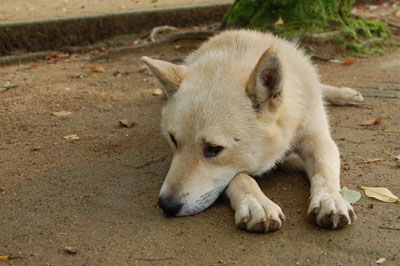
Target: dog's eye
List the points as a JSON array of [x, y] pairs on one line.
[[212, 151], [173, 140]]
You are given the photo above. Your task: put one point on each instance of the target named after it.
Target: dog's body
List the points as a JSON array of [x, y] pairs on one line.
[[240, 104]]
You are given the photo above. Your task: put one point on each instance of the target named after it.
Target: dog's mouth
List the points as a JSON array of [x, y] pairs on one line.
[[188, 204]]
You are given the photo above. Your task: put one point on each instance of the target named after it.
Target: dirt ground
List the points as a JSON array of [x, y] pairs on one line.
[[98, 194], [93, 200]]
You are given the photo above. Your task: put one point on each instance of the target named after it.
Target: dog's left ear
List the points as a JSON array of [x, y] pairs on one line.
[[168, 74], [264, 85]]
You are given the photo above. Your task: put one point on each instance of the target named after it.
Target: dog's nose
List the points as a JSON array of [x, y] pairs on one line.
[[170, 207]]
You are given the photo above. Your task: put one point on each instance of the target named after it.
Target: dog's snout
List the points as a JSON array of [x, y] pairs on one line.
[[170, 206]]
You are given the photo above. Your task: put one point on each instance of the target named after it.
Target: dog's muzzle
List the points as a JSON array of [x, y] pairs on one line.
[[170, 206]]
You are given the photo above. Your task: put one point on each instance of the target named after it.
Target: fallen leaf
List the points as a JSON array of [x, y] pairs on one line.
[[380, 193], [117, 74], [373, 160], [126, 123], [135, 42], [62, 113], [78, 76], [8, 85], [34, 66], [279, 22], [36, 148], [97, 68], [71, 250], [72, 137], [55, 56], [371, 122], [9, 257], [102, 50], [397, 13], [348, 62], [351, 196], [336, 61], [380, 261], [157, 92]]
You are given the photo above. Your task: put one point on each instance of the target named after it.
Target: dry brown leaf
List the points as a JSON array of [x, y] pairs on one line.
[[135, 42], [62, 113], [126, 123], [348, 62], [97, 68], [371, 122], [55, 56]]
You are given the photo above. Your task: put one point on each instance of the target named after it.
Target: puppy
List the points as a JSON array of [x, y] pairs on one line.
[[236, 107]]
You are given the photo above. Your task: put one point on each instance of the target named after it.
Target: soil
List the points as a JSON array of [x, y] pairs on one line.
[[93, 200]]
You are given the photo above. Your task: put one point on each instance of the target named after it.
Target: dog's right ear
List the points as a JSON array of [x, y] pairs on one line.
[[168, 74]]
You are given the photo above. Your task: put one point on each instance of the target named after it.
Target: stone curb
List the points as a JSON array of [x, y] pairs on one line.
[[20, 38]]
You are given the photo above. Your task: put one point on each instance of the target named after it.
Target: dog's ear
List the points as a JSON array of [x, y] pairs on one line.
[[264, 85], [168, 74]]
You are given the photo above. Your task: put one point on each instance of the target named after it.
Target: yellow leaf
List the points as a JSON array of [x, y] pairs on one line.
[[380, 193], [97, 68], [71, 137]]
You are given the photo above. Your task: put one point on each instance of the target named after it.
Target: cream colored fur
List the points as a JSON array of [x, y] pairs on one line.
[[237, 107]]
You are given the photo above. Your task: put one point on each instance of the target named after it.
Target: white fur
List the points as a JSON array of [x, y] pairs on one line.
[[258, 97]]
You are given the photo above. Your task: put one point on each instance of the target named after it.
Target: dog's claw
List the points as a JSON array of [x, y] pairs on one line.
[[274, 226], [331, 212], [259, 216]]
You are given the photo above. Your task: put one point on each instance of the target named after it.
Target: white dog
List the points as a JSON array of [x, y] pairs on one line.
[[236, 108]]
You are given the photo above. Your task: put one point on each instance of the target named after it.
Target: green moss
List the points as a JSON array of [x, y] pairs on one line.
[[305, 16]]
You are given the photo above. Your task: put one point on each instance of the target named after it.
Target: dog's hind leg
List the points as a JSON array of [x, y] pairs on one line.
[[253, 210], [341, 96]]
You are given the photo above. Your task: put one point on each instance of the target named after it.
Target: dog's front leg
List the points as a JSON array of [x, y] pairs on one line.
[[327, 207], [253, 210]]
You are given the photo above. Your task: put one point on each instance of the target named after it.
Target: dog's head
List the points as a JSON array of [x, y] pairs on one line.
[[221, 119]]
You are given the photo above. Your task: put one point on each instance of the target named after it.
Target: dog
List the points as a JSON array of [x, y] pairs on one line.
[[238, 106]]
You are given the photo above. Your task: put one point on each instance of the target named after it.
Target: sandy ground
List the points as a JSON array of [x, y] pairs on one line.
[[93, 200], [36, 10], [98, 194]]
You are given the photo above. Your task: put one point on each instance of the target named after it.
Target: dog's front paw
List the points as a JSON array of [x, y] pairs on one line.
[[331, 211], [258, 215]]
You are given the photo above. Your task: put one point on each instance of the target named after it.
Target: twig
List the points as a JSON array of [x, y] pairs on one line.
[[10, 257], [379, 96], [155, 259], [389, 228]]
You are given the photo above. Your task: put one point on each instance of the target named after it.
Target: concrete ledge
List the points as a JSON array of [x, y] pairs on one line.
[[25, 37]]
